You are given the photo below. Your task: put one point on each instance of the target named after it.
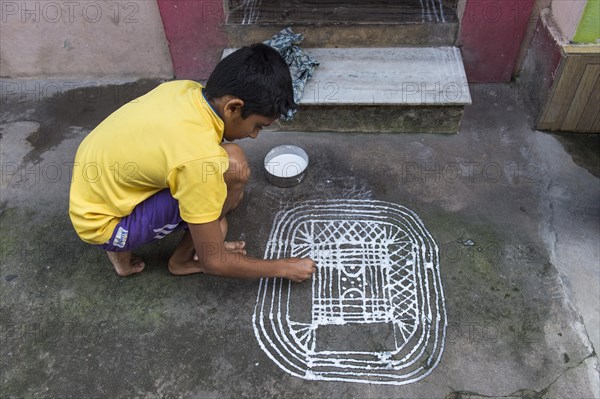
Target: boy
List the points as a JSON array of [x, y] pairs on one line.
[[158, 164]]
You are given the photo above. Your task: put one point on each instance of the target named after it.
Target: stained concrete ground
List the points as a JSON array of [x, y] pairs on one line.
[[514, 211]]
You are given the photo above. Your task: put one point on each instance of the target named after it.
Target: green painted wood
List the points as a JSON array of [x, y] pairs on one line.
[[588, 30]]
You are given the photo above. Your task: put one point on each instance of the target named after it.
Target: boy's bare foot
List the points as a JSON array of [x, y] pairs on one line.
[[224, 226], [125, 264], [236, 247]]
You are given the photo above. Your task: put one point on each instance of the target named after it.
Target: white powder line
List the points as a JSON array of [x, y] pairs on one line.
[[251, 11], [422, 11], [428, 11], [377, 266], [435, 12], [442, 15]]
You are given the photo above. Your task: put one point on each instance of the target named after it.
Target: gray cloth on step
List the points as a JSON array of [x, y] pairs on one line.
[[301, 64]]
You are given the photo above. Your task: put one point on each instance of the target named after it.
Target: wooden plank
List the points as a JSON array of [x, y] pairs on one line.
[[565, 87], [596, 125], [571, 49], [581, 97], [591, 112]]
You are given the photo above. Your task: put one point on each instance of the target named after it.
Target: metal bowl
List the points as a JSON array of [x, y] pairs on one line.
[[286, 165]]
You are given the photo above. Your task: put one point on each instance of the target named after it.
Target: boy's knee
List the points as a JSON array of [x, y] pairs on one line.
[[239, 169]]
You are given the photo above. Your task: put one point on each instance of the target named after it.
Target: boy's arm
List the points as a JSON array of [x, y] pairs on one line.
[[214, 259]]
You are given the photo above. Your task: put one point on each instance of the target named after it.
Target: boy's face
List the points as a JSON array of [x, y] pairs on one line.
[[238, 128]]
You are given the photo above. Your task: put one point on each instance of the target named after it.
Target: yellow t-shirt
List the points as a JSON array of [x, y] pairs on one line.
[[169, 137]]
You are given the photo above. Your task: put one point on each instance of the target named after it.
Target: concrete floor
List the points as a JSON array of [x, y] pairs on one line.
[[514, 211]]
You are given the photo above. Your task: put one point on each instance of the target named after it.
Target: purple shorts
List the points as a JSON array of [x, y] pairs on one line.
[[153, 219]]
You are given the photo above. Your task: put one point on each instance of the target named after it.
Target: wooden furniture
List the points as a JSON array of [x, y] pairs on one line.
[[574, 102]]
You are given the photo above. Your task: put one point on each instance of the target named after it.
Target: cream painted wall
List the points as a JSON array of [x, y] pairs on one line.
[[566, 14], [83, 39]]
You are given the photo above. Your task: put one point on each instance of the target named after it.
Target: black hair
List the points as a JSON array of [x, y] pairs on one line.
[[257, 75]]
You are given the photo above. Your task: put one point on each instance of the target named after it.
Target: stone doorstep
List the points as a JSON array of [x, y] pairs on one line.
[[356, 35], [386, 76], [401, 89]]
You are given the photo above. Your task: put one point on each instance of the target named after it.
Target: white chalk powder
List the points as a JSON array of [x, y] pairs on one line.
[[286, 165], [377, 265]]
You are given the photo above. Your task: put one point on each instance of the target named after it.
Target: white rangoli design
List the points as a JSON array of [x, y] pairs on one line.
[[375, 310]]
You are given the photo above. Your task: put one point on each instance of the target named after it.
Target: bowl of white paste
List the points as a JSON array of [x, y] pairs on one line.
[[286, 165]]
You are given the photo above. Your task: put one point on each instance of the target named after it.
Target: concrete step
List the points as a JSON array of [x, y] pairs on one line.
[[345, 23], [402, 89], [348, 36]]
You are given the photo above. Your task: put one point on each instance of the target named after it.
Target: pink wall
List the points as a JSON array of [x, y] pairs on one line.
[[491, 33], [541, 62], [194, 30]]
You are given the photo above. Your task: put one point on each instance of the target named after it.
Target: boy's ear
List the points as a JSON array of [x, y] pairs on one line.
[[233, 107]]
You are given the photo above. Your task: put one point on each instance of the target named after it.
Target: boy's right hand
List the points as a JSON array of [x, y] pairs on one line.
[[299, 269]]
